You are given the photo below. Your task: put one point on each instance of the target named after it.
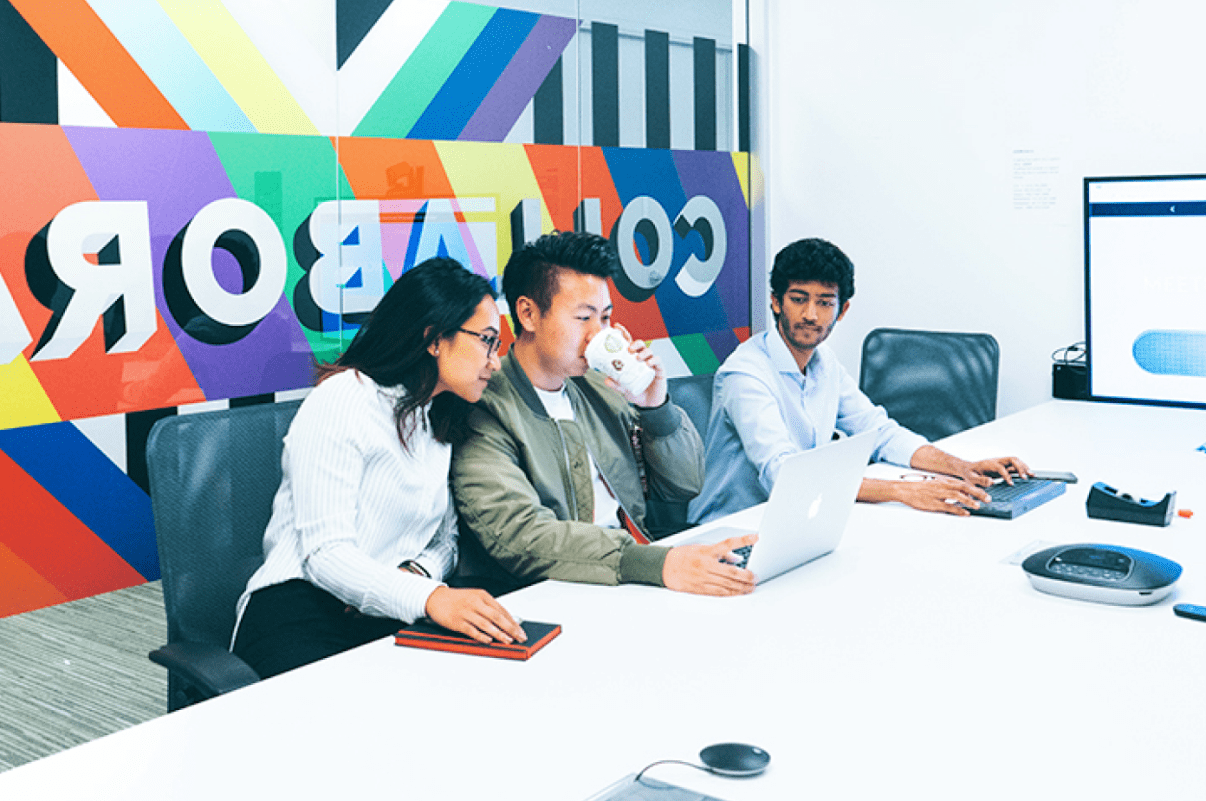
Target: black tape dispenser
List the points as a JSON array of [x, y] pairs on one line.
[[1106, 503]]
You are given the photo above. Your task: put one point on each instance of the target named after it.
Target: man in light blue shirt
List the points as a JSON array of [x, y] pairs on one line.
[[783, 391]]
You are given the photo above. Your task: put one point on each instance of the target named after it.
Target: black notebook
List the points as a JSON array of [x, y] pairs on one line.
[[426, 634]]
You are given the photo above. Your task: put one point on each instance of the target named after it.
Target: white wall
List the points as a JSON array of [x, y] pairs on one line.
[[895, 127]]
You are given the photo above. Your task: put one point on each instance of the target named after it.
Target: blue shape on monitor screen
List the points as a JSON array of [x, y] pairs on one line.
[[1171, 352]]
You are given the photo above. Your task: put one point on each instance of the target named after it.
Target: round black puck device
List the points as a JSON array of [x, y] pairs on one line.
[[735, 759]]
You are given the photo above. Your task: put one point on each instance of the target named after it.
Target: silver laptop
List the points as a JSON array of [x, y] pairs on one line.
[[808, 507]]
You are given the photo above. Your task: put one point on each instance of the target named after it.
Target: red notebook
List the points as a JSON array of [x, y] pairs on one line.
[[425, 634]]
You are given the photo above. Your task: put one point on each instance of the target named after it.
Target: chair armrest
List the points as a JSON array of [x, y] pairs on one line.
[[210, 669]]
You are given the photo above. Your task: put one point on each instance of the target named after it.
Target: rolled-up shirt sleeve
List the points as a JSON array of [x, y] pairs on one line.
[[856, 413]]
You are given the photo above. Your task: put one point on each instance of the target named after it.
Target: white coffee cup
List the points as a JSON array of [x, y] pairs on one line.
[[608, 353]]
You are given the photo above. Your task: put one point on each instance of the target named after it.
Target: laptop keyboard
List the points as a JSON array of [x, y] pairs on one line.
[[743, 552]]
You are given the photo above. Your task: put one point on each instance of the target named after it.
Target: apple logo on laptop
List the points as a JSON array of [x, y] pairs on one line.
[[815, 507]]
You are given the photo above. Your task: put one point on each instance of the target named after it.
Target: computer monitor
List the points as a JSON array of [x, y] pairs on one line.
[[1145, 289]]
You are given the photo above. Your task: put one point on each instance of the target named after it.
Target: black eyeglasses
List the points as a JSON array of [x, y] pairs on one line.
[[491, 341]]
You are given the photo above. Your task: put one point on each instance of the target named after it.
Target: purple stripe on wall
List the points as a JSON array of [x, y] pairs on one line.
[[711, 173], [517, 85], [722, 342], [177, 173]]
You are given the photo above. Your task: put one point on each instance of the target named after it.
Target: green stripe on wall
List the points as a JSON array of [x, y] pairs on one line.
[[294, 174], [697, 353], [420, 78]]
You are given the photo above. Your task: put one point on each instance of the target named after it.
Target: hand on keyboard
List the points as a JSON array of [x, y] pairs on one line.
[[739, 557], [1005, 468], [705, 569], [950, 495]]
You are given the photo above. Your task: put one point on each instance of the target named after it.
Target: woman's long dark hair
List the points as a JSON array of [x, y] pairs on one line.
[[428, 302]]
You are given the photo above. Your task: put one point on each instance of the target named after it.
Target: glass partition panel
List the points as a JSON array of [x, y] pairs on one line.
[[202, 203]]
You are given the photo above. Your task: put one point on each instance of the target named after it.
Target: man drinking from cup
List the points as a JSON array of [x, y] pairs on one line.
[[553, 476]]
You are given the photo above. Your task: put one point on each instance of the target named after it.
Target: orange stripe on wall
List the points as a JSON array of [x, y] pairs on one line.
[[557, 169], [367, 162], [39, 160], [45, 176], [73, 32], [643, 319], [21, 588], [53, 542]]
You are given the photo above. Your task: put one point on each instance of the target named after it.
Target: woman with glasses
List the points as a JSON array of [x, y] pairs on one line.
[[363, 529]]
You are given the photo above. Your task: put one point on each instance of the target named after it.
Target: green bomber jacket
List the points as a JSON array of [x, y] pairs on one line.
[[523, 487]]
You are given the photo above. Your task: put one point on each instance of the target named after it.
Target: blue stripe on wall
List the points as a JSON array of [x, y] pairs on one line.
[[453, 106], [90, 486], [653, 173]]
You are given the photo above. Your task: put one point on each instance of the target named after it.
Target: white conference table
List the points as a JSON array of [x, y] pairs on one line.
[[913, 662]]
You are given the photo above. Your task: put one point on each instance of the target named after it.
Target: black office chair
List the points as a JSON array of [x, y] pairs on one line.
[[213, 476], [936, 383], [693, 393]]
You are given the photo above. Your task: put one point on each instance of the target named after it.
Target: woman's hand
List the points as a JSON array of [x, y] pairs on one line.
[[473, 613]]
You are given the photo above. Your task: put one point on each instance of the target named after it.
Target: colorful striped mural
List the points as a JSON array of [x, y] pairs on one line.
[[203, 198]]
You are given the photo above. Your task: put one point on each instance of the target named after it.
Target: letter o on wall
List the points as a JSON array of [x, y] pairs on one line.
[[645, 216], [216, 223], [200, 305], [702, 215]]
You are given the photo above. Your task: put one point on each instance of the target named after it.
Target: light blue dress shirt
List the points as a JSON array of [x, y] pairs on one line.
[[764, 409]]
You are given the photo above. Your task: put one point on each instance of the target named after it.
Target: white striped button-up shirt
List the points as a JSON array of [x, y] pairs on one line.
[[354, 503]]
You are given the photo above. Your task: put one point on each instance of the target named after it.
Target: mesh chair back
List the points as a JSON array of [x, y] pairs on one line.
[[936, 383], [693, 393], [213, 476]]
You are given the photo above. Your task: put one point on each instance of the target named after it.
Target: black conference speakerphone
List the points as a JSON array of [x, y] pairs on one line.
[[1103, 573]]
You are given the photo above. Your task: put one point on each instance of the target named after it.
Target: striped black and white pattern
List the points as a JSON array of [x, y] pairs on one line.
[[615, 87]]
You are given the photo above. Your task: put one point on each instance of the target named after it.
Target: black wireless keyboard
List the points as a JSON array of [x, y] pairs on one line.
[[1009, 502]]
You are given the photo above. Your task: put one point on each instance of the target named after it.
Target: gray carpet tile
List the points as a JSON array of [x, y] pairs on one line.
[[77, 671]]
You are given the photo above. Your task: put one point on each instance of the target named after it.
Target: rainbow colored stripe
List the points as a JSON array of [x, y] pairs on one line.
[[190, 102], [430, 70]]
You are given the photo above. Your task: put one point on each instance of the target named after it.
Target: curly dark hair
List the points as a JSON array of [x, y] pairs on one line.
[[813, 260]]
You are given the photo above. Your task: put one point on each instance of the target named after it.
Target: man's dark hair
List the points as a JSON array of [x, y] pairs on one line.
[[813, 260], [532, 270]]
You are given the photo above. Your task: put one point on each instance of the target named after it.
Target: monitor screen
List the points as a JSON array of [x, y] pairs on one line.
[[1145, 289]]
